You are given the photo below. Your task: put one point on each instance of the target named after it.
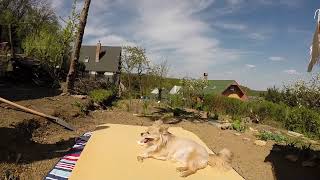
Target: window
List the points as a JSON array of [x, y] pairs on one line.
[[86, 59]]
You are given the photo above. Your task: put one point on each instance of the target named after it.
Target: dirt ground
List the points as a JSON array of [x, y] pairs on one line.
[[30, 146]]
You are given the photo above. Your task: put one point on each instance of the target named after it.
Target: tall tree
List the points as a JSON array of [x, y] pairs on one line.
[[134, 61], [160, 72], [76, 51]]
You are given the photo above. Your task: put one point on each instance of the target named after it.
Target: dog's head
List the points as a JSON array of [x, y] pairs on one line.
[[154, 134]]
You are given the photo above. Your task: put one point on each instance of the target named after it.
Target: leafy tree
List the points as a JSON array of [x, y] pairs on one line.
[[134, 62], [160, 72], [193, 90]]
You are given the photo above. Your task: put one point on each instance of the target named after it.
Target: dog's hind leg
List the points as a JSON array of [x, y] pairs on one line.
[[181, 169], [188, 172]]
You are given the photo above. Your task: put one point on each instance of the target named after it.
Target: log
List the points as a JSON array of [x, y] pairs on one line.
[[51, 118]]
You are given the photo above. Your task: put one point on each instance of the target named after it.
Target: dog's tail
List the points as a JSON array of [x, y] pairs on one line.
[[221, 160]]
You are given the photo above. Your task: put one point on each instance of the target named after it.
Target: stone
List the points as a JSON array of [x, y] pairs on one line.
[[294, 134], [253, 130], [203, 115], [237, 134], [226, 126], [246, 139], [309, 164], [292, 157], [80, 96], [260, 143], [246, 120]]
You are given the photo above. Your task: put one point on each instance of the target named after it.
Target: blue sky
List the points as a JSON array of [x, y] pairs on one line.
[[259, 43]]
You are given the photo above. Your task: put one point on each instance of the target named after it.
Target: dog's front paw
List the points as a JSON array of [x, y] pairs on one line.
[[140, 158]]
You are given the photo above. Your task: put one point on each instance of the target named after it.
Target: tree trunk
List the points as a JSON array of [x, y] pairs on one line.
[[76, 49]]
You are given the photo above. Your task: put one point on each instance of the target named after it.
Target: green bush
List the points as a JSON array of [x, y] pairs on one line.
[[239, 125], [101, 96], [267, 135], [304, 121]]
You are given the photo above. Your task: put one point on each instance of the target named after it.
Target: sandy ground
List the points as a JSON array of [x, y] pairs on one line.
[[30, 145]]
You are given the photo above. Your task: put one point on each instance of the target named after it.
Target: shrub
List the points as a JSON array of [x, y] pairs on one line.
[[101, 96], [300, 93], [304, 121], [86, 85], [84, 107], [239, 125], [267, 135]]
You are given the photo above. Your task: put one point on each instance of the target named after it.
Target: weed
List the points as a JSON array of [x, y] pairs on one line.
[[267, 135], [239, 126], [101, 96]]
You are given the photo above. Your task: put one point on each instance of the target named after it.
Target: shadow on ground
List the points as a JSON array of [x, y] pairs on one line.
[[27, 91], [17, 146], [284, 169]]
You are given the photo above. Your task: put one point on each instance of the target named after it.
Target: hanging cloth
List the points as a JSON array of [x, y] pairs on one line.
[[315, 47]]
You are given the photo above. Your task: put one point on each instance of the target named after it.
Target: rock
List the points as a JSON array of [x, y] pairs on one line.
[[246, 120], [253, 130], [203, 115], [292, 157], [260, 143], [246, 139], [224, 119], [237, 134], [294, 134], [309, 164], [80, 96], [225, 126]]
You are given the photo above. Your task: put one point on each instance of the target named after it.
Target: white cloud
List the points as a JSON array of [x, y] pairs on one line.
[[250, 66], [257, 36], [231, 26], [235, 2], [276, 58], [292, 72], [168, 29]]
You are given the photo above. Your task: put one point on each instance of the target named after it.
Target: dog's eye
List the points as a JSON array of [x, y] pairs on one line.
[[148, 132]]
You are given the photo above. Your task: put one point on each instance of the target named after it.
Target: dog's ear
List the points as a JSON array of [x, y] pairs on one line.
[[158, 123], [164, 129]]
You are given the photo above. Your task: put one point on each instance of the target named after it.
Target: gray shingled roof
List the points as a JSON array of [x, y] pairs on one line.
[[109, 58]]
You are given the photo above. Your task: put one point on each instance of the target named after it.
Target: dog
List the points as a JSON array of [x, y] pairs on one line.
[[160, 144]]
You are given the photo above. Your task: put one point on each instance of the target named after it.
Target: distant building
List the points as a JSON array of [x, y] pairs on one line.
[[229, 88], [175, 90], [102, 61]]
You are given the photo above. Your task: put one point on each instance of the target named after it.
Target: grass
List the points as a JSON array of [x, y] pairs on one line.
[[239, 125], [267, 135]]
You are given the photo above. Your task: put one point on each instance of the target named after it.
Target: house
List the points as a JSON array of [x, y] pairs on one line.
[[103, 61], [229, 88]]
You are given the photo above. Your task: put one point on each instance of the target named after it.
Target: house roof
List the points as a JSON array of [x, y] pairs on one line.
[[109, 58], [218, 86]]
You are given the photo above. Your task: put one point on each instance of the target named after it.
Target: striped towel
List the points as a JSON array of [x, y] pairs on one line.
[[62, 170]]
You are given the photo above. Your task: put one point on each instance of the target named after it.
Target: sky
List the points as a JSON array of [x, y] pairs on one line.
[[258, 43]]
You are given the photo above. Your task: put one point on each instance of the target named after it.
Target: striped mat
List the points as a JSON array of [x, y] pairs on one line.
[[62, 170]]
